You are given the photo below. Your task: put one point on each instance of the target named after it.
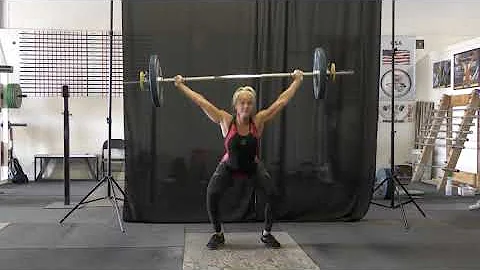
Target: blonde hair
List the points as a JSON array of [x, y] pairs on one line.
[[244, 89]]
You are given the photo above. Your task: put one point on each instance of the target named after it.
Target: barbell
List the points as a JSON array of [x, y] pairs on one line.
[[153, 80]]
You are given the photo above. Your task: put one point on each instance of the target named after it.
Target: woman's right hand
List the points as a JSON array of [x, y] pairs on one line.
[[297, 75], [179, 80]]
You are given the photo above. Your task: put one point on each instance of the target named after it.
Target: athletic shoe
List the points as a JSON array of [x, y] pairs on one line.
[[215, 241], [270, 241]]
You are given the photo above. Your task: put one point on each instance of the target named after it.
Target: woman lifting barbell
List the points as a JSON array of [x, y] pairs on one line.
[[241, 133]]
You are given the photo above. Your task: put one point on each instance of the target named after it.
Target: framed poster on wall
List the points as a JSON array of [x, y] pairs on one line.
[[466, 69], [441, 74]]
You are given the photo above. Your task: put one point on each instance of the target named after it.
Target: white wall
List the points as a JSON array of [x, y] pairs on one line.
[[62, 14], [431, 17], [88, 128], [440, 23]]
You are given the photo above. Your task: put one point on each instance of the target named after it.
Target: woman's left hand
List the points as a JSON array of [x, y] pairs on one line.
[[297, 75]]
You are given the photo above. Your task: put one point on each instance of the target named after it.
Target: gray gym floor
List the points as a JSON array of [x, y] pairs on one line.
[[90, 239]]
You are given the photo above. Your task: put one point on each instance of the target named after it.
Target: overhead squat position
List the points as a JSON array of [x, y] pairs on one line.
[[241, 133]]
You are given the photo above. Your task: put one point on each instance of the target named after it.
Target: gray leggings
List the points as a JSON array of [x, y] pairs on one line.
[[222, 179]]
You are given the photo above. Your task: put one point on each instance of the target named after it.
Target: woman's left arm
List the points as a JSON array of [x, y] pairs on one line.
[[282, 100]]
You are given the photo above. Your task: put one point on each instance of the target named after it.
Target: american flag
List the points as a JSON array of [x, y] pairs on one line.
[[402, 57]]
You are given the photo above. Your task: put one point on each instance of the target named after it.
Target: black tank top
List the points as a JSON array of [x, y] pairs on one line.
[[241, 151]]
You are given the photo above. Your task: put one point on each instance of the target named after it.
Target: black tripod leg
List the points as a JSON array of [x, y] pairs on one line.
[[380, 185], [125, 198], [84, 198], [119, 188], [115, 206], [376, 188], [402, 207], [410, 197]]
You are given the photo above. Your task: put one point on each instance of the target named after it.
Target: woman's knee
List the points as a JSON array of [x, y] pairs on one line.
[[267, 184], [219, 180]]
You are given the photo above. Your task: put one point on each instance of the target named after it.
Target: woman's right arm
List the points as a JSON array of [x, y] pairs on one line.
[[216, 115]]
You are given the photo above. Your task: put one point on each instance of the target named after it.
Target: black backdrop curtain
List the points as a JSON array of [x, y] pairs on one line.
[[172, 151]]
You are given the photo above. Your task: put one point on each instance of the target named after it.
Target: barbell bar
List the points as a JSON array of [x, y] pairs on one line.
[[248, 76], [153, 80]]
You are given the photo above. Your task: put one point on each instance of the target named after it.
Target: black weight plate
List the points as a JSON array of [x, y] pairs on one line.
[[156, 89], [320, 73]]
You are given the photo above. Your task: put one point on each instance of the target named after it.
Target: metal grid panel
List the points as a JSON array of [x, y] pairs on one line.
[[79, 59]]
